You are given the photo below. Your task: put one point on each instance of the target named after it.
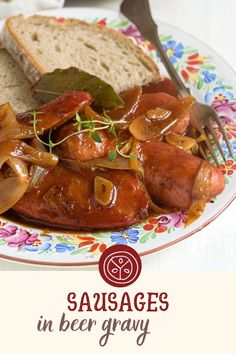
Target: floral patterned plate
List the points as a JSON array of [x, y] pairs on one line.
[[212, 81]]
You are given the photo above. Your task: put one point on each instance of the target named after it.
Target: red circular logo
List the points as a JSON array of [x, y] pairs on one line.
[[120, 265]]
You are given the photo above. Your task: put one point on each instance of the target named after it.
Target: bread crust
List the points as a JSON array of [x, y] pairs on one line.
[[14, 85], [34, 70]]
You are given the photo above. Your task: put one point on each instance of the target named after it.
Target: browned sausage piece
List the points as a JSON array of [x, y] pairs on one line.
[[170, 174], [56, 112], [81, 147], [66, 198]]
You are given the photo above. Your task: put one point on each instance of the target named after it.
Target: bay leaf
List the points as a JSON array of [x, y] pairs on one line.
[[53, 84]]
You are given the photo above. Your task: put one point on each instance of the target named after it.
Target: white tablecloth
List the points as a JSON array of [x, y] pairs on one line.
[[213, 248]]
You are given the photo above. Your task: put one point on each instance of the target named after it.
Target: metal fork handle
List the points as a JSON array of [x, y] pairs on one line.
[[183, 91], [149, 29]]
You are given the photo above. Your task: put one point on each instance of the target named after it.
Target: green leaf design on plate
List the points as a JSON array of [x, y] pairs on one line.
[[177, 67], [53, 84], [227, 87], [101, 235], [2, 242], [61, 239], [95, 20], [165, 38], [171, 229], [189, 50], [114, 24], [207, 67], [80, 250], [200, 83], [145, 237]]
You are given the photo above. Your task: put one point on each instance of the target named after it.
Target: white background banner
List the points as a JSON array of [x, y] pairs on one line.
[[200, 317]]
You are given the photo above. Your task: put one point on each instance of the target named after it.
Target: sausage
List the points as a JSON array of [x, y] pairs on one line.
[[66, 198], [48, 116], [137, 104], [153, 100], [164, 85], [81, 147], [170, 174], [56, 112]]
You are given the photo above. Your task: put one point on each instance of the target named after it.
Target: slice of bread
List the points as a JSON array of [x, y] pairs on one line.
[[41, 44], [14, 86]]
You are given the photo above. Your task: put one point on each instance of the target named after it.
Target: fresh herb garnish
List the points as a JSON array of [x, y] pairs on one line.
[[91, 127], [112, 155], [117, 151]]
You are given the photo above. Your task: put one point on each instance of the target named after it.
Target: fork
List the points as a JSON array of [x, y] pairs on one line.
[[202, 115]]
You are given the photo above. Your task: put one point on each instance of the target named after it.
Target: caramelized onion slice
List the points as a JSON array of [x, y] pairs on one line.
[[17, 132], [103, 190], [18, 166], [131, 99], [158, 122], [200, 193], [11, 191], [19, 149], [7, 116], [10, 127], [135, 164], [180, 141], [36, 144], [91, 114], [37, 173], [119, 163], [3, 159]]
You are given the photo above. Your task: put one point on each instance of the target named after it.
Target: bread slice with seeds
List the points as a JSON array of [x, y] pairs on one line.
[[41, 44]]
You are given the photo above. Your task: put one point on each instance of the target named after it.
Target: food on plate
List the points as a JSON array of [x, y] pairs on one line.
[[170, 174], [42, 44], [71, 197], [97, 153], [52, 114]]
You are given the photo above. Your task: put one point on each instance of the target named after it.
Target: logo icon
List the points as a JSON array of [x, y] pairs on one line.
[[120, 265]]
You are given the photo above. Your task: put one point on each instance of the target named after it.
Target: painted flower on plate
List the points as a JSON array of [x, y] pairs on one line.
[[230, 129], [153, 225], [208, 77], [228, 168], [225, 148], [226, 109], [102, 22], [219, 94], [17, 237], [63, 247], [177, 220], [125, 237], [163, 222], [133, 32], [42, 243], [174, 50], [196, 59], [192, 67]]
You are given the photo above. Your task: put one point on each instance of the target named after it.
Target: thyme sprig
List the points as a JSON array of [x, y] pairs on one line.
[[91, 127], [117, 151]]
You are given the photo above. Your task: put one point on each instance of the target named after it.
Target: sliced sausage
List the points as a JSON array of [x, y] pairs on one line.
[[170, 174]]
